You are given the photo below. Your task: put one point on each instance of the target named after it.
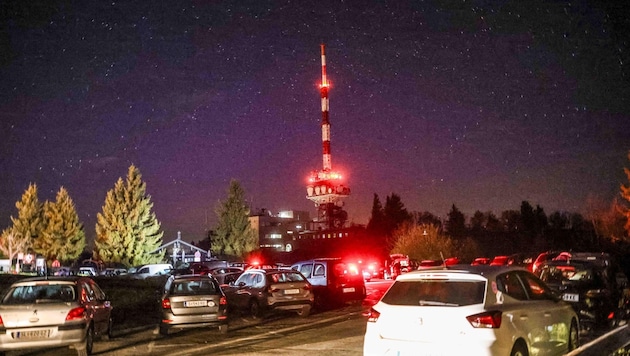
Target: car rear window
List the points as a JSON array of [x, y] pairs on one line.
[[194, 287], [49, 293], [431, 292], [280, 277]]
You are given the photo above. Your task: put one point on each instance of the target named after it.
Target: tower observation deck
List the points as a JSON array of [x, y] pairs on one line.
[[326, 187]]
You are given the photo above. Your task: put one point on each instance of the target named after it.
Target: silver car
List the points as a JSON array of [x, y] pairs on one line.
[[191, 301], [48, 312]]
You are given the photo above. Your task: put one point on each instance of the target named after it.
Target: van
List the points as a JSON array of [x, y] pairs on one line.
[[152, 270], [334, 281]]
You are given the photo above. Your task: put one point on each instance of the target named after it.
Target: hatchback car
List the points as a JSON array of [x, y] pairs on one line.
[[54, 311], [264, 290], [191, 301], [470, 310]]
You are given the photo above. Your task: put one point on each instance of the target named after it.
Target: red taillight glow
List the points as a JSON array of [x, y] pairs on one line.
[[75, 314], [223, 301], [307, 287], [1, 322], [489, 320], [373, 315], [166, 303]]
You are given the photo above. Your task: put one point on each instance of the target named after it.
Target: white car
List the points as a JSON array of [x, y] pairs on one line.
[[471, 310]]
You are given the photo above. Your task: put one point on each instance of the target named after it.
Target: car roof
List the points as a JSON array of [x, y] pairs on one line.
[[63, 279], [489, 272], [191, 276]]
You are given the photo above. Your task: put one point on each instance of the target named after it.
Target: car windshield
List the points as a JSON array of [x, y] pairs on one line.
[[49, 293], [193, 287], [430, 292]]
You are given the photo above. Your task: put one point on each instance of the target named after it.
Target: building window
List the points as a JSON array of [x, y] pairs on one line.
[[274, 236]]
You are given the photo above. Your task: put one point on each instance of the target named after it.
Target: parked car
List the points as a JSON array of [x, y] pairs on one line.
[[333, 281], [265, 290], [226, 275], [589, 288], [543, 258], [481, 261], [152, 270], [46, 312], [471, 310], [190, 301]]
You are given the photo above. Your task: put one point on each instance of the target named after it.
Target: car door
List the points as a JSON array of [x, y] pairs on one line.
[[555, 319], [99, 307], [527, 317], [243, 290]]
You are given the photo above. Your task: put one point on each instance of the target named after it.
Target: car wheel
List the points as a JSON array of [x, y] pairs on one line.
[[85, 348], [223, 328], [305, 311], [519, 350], [254, 309], [574, 336], [163, 330]]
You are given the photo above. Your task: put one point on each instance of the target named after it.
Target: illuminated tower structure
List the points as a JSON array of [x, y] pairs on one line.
[[325, 188]]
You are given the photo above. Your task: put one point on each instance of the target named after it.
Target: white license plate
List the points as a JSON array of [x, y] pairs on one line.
[[34, 334], [291, 291], [570, 297], [196, 303], [348, 290]]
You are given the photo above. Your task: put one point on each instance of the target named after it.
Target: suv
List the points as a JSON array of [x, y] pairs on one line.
[[589, 287], [333, 280], [263, 290]]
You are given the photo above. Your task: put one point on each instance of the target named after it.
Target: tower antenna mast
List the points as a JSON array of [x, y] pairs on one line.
[[325, 187]]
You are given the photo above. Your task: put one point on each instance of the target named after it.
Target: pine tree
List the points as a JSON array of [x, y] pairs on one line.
[[456, 223], [62, 237], [234, 234], [376, 225], [127, 231], [26, 227]]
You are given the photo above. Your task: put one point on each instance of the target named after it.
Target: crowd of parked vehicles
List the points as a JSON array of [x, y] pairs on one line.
[[430, 303]]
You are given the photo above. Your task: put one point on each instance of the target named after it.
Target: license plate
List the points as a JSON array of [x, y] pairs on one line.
[[196, 303], [291, 291], [570, 297], [34, 334], [348, 290]]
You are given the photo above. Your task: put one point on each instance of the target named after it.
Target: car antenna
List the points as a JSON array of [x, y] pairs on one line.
[[443, 260]]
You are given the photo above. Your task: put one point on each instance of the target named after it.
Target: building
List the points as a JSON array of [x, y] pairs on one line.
[[278, 232]]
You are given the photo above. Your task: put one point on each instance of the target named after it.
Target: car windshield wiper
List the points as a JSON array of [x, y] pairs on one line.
[[435, 302]]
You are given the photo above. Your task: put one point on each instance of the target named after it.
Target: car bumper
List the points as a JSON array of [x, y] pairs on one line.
[[13, 339], [189, 321]]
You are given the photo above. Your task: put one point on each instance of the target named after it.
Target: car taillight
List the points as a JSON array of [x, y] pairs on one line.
[[490, 320], [373, 315], [223, 301], [1, 322], [307, 287], [166, 303], [76, 313]]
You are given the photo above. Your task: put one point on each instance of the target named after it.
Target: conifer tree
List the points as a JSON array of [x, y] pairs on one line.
[[26, 227], [62, 237], [127, 230], [234, 234]]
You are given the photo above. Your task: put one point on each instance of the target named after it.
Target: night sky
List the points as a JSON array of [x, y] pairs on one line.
[[481, 104]]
